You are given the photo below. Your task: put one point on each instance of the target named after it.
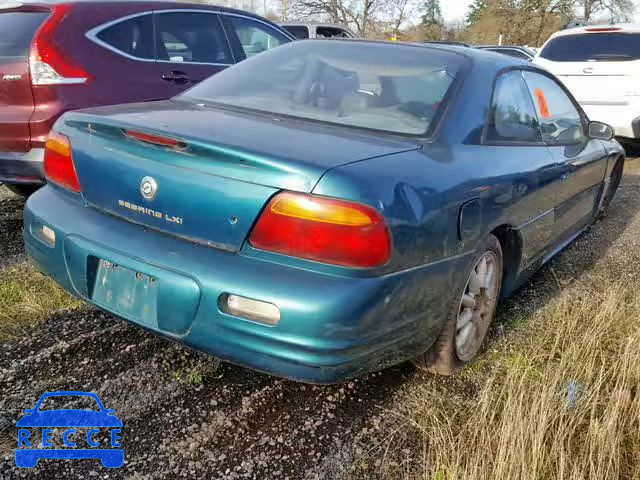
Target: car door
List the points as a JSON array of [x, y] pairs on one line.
[[531, 176], [249, 36], [130, 73], [190, 46], [583, 160]]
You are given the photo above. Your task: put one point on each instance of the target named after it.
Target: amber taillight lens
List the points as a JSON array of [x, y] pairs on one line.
[[58, 162]]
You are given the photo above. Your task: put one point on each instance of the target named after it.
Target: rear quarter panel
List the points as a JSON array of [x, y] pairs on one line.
[[421, 194]]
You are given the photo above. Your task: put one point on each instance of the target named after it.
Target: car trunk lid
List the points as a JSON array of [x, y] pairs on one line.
[[17, 29], [212, 170]]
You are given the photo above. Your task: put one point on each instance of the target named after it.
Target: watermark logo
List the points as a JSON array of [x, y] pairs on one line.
[[81, 433]]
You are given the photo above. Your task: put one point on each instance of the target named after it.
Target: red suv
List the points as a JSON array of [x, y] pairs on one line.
[[59, 56]]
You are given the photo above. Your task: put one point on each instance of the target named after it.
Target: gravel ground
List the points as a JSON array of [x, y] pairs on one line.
[[186, 414], [10, 227]]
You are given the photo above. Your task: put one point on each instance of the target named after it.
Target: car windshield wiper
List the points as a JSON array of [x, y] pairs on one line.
[[611, 57]]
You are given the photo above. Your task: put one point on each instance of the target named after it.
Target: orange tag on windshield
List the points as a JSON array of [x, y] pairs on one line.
[[542, 103]]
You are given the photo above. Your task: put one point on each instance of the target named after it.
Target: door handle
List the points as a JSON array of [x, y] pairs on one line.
[[176, 77]]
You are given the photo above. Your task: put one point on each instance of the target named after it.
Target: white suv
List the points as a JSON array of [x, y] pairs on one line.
[[600, 65]]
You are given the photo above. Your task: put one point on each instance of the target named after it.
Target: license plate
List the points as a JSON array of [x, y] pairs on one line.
[[127, 293]]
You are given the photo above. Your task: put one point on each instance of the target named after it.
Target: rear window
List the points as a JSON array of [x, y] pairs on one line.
[[17, 30], [391, 88], [584, 47]]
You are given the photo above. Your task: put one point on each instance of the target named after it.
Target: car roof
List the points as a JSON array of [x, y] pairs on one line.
[[317, 24], [489, 59], [168, 4], [595, 29]]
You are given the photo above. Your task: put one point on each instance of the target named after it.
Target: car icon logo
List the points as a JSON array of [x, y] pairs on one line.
[[78, 429], [149, 188]]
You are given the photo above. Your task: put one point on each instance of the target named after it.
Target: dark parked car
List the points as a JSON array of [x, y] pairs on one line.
[[327, 208], [59, 56], [522, 53]]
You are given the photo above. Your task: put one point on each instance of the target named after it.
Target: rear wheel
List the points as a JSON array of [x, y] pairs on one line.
[[23, 190], [472, 310]]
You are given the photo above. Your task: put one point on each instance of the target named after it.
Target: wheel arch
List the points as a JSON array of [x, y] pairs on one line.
[[511, 245]]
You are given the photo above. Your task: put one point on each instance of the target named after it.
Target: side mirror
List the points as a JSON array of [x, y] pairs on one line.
[[600, 131], [29, 411], [109, 411]]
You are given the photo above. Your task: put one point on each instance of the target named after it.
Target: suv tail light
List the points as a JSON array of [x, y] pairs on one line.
[[323, 229], [58, 162], [48, 65]]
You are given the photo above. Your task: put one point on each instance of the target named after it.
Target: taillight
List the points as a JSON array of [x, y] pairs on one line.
[[58, 162], [323, 229], [48, 64], [159, 140]]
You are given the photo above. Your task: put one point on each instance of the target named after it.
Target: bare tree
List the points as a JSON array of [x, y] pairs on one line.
[[400, 11], [617, 10], [356, 13]]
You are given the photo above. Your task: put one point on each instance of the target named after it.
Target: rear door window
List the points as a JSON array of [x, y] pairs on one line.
[[588, 47], [252, 37], [299, 31], [512, 117], [17, 30], [331, 32], [191, 37], [133, 37]]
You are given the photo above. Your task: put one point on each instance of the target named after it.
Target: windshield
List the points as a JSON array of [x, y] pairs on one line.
[[584, 47], [392, 88]]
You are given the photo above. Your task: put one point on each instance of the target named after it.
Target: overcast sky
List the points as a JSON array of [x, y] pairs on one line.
[[454, 9]]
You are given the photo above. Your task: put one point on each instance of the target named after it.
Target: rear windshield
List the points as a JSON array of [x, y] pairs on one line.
[[17, 30], [391, 88], [584, 47]]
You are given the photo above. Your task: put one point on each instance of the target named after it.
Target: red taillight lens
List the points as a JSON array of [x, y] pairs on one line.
[[323, 229], [58, 162], [48, 64]]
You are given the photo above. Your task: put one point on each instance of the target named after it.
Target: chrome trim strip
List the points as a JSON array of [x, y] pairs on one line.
[[93, 33], [535, 219]]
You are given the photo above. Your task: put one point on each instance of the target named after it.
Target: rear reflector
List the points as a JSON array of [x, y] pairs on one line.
[[159, 140], [58, 162], [48, 65], [323, 229], [248, 308]]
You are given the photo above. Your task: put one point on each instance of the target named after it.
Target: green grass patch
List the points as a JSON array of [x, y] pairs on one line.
[[26, 298]]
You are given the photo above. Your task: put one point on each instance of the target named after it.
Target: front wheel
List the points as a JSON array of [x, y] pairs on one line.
[[472, 310]]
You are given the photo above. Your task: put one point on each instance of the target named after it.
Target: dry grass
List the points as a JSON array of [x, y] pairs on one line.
[[26, 298], [523, 418]]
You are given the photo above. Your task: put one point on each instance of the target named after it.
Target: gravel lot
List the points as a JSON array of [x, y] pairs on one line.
[[187, 414]]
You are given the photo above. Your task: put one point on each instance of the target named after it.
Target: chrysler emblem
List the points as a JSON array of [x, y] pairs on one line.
[[149, 188]]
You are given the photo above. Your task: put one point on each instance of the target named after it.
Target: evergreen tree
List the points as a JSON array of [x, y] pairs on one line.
[[475, 11], [432, 13]]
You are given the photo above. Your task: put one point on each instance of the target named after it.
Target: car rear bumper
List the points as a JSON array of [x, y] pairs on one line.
[[20, 168], [625, 119], [331, 327]]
